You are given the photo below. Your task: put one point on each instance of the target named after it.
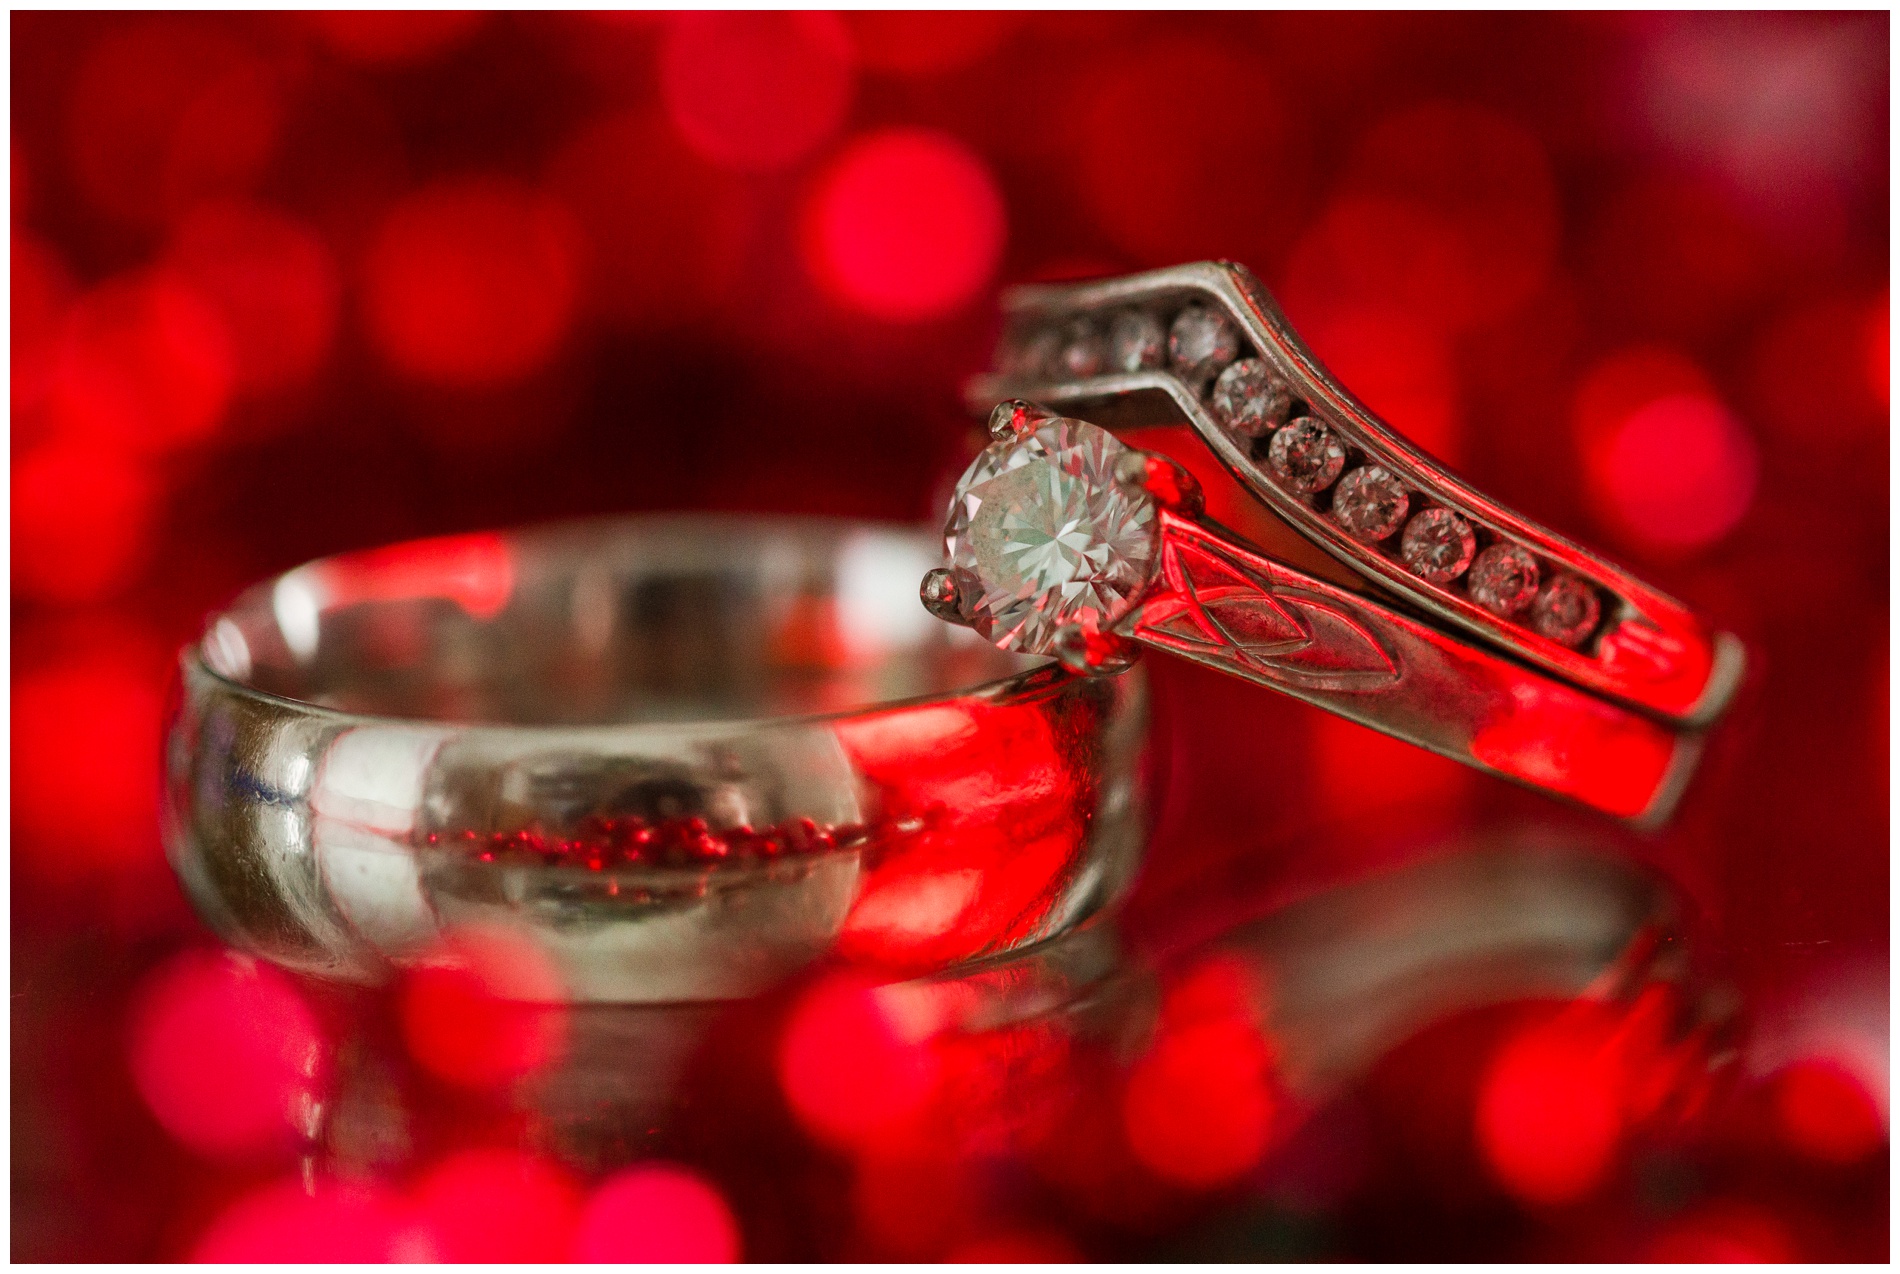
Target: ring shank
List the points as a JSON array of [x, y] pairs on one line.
[[684, 755]]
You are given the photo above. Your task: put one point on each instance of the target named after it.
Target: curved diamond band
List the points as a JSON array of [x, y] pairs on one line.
[[1063, 540], [1232, 367]]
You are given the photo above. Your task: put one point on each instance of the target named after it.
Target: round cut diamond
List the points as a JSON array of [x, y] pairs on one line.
[[1438, 545], [1250, 399], [1566, 610], [1200, 343], [1082, 351], [1503, 579], [1032, 353], [1305, 456], [1043, 535], [1136, 342], [1370, 503]]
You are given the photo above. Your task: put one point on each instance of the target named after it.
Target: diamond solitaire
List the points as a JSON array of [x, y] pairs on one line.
[[1043, 535]]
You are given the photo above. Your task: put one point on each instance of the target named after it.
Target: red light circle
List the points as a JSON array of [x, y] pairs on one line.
[[472, 282], [756, 91], [657, 1212], [907, 224]]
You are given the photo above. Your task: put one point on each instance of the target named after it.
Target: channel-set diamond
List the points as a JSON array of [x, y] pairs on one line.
[[1566, 610], [1136, 342], [1249, 399], [1370, 503], [1503, 579], [1438, 545], [1200, 343], [1041, 535], [1305, 456]]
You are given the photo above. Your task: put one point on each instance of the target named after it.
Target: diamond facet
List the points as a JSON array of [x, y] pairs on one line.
[[1566, 610], [1370, 503], [1136, 342], [1249, 399], [1042, 535], [1082, 351], [1305, 456], [1200, 343], [1438, 545], [1503, 579]]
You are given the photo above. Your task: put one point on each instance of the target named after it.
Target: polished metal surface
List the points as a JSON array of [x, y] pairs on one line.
[[1182, 584], [1648, 650], [375, 749]]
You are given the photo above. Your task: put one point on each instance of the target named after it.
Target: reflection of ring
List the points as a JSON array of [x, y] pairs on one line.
[[686, 754], [1205, 342], [1065, 541]]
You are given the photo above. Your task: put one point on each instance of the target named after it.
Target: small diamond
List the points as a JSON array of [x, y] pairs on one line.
[[1370, 503], [1566, 611], [1250, 399], [1504, 579], [1305, 456], [1041, 535], [1032, 353], [1082, 352], [1200, 343], [1136, 342], [1438, 545]]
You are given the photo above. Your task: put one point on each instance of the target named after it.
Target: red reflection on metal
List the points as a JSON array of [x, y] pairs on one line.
[[1602, 756], [1822, 1110], [166, 112], [907, 224], [854, 1074], [391, 37], [604, 844], [226, 1054], [756, 91], [472, 282], [484, 1011], [334, 1222], [85, 794], [477, 572], [275, 282], [926, 42], [490, 1204], [657, 1212], [1199, 1106], [145, 362], [979, 821]]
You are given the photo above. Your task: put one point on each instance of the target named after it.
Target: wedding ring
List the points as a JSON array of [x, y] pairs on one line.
[[1205, 343], [683, 755], [1062, 540]]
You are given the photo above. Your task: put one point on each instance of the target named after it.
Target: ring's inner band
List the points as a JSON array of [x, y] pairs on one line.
[[691, 618]]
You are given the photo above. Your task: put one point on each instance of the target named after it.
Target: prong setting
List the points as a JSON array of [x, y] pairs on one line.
[[1166, 480], [942, 596], [1089, 653], [1014, 418]]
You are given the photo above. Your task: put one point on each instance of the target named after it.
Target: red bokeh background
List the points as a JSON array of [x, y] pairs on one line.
[[290, 284]]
